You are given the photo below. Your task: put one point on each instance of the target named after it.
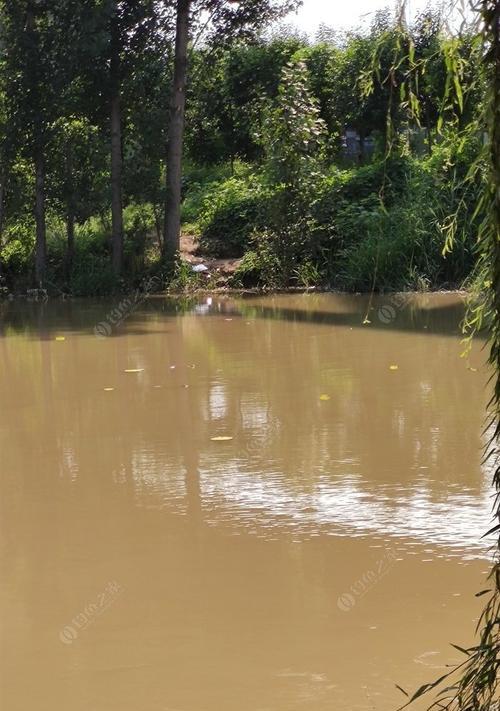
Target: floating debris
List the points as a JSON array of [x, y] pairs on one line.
[[222, 438], [133, 370]]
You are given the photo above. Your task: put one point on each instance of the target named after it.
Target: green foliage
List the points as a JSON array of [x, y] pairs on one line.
[[392, 220], [292, 134], [393, 251], [385, 225], [140, 229], [230, 213], [226, 94], [91, 275], [293, 142], [468, 184], [305, 211], [308, 274], [250, 271], [199, 181], [18, 241], [184, 281]]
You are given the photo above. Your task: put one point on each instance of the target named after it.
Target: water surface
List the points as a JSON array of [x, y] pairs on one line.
[[326, 549]]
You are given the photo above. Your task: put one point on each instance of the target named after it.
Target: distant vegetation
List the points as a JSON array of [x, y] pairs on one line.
[[340, 163]]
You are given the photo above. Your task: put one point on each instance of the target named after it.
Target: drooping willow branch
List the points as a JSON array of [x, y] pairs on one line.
[[472, 685]]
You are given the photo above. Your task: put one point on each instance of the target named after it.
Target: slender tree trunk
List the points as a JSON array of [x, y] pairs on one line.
[[41, 235], [2, 194], [38, 153], [70, 215], [116, 154], [233, 137], [70, 232], [176, 132], [158, 226]]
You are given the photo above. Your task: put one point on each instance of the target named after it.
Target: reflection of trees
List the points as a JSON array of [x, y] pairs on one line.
[[392, 430], [257, 378]]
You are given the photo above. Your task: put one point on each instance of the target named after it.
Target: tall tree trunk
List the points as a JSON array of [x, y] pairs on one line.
[[38, 153], [116, 153], [70, 207], [70, 232], [158, 226], [41, 236], [2, 195], [176, 132]]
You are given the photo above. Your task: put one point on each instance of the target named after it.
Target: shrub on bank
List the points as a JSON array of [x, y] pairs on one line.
[[381, 226], [396, 224], [200, 180], [90, 272], [18, 240], [399, 242], [230, 213]]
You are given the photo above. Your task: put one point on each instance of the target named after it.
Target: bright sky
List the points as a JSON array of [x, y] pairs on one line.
[[342, 14]]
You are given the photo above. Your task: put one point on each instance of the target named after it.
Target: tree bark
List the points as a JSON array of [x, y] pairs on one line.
[[171, 240], [158, 226], [2, 195], [70, 232], [116, 154], [70, 205], [41, 235]]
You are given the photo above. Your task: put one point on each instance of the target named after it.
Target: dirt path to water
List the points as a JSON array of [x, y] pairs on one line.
[[223, 268]]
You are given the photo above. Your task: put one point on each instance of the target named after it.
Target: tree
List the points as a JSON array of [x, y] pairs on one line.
[[176, 131], [35, 71], [227, 20], [292, 137], [116, 139], [227, 87], [77, 174], [129, 27], [5, 155]]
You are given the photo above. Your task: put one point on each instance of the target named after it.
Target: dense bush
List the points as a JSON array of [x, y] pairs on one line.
[[401, 223], [230, 213], [304, 212], [18, 246], [89, 272], [293, 143], [397, 237], [91, 275], [198, 181]]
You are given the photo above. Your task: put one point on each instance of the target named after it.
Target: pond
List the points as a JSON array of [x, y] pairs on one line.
[[266, 503]]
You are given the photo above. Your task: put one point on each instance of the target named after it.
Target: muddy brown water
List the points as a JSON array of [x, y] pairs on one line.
[[328, 548]]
